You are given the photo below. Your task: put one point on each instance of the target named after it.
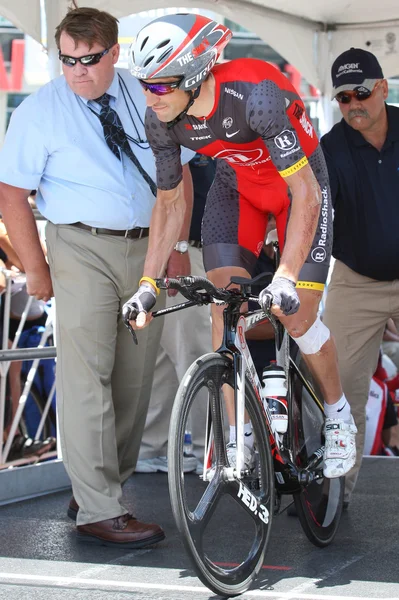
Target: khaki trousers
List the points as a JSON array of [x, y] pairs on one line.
[[103, 379], [186, 336], [356, 312]]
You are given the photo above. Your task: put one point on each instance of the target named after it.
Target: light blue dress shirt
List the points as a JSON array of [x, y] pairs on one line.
[[55, 144]]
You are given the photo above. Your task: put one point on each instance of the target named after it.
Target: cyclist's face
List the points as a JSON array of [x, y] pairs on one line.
[[362, 115], [167, 106]]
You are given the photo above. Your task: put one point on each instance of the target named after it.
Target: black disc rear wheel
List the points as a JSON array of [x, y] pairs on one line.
[[225, 524]]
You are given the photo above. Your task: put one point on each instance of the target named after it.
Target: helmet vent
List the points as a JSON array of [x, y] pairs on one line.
[[164, 55], [144, 43], [162, 44], [148, 61]]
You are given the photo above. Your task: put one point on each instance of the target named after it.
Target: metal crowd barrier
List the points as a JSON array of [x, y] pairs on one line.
[[17, 354]]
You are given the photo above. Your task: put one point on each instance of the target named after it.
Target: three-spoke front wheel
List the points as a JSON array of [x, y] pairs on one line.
[[224, 520]]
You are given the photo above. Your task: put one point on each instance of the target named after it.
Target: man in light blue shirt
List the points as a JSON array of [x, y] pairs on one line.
[[98, 200]]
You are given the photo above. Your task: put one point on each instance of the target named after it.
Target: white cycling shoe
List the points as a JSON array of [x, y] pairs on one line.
[[340, 447], [249, 455]]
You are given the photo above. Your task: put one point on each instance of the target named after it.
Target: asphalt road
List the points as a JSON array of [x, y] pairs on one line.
[[40, 558]]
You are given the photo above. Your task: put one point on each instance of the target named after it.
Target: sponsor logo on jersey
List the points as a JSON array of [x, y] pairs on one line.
[[284, 154], [286, 140], [201, 137], [200, 126], [306, 126], [234, 93], [318, 254], [298, 111], [324, 218], [202, 74], [229, 135], [349, 68], [227, 122], [243, 158], [188, 126]]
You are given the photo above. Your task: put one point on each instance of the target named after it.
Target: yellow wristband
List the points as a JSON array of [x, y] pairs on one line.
[[152, 281]]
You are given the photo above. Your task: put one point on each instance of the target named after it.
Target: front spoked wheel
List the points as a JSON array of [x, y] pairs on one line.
[[224, 520], [319, 504]]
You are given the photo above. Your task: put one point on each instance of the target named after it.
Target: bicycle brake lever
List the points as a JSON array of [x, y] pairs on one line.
[[134, 336], [266, 300], [126, 321]]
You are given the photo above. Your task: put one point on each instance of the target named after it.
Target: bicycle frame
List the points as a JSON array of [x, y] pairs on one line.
[[288, 475], [234, 344]]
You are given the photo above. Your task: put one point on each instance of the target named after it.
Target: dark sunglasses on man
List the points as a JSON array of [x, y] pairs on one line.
[[361, 95], [162, 88], [87, 61]]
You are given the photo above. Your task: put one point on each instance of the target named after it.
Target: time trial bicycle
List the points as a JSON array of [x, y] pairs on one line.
[[284, 463]]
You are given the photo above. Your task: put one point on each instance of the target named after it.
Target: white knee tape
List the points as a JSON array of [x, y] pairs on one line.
[[315, 337]]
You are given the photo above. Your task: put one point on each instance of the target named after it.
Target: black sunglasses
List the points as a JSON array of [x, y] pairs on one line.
[[86, 61], [346, 97]]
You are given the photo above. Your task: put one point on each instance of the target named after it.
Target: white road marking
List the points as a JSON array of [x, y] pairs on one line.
[[132, 585]]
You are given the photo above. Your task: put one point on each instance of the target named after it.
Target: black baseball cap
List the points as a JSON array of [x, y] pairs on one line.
[[355, 69]]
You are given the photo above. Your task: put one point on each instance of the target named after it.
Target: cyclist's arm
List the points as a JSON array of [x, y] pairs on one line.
[[287, 155], [166, 224], [302, 223], [171, 216]]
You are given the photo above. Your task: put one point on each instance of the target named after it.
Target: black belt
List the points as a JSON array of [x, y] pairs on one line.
[[133, 234], [195, 243]]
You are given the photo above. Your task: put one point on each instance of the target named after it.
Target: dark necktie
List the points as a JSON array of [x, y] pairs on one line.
[[116, 139]]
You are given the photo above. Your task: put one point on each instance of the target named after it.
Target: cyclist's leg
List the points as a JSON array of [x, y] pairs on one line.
[[233, 234]]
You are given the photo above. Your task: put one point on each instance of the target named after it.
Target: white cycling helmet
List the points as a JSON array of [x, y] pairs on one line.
[[181, 45]]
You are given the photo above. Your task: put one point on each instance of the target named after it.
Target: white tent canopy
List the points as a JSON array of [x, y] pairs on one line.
[[308, 34]]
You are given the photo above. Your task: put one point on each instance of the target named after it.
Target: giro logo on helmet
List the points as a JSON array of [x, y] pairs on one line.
[[191, 81]]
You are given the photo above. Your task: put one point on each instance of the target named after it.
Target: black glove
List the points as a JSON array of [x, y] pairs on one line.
[[284, 295], [142, 301]]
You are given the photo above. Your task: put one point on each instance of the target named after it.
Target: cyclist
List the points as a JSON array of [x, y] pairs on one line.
[[246, 113]]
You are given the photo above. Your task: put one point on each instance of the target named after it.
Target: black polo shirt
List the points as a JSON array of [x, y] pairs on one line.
[[365, 195]]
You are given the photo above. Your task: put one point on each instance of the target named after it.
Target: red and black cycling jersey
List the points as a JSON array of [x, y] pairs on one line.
[[258, 125], [259, 131]]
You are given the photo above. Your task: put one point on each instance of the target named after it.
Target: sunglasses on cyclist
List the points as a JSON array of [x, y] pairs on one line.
[[86, 61], [160, 89], [346, 97]]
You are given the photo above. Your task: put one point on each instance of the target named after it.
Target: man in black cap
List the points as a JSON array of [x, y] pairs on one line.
[[362, 153]]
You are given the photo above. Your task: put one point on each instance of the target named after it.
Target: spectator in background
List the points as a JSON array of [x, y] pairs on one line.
[[362, 154], [80, 142], [186, 336]]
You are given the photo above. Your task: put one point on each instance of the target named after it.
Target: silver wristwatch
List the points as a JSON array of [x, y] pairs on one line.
[[181, 246]]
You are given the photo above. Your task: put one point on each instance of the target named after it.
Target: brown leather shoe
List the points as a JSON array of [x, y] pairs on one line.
[[73, 508], [125, 532]]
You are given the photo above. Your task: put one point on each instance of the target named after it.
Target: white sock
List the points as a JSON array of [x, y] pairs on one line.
[[248, 436], [339, 410], [232, 433]]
